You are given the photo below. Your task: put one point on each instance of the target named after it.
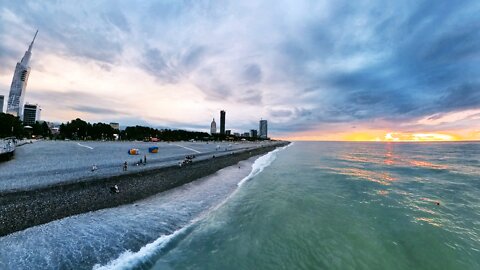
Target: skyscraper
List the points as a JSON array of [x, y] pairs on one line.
[[222, 122], [213, 127], [1, 103], [31, 114], [19, 83], [263, 129]]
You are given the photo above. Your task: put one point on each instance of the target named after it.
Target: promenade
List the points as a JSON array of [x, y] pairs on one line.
[[46, 163], [37, 203]]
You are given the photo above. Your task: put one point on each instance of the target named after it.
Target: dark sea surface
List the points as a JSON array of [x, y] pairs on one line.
[[311, 205]]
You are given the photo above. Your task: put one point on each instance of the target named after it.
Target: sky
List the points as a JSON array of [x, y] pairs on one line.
[[316, 70]]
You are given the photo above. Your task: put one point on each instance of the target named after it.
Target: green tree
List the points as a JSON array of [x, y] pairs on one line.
[[10, 126]]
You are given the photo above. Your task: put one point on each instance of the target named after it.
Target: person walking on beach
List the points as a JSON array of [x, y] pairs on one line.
[[145, 160], [125, 166]]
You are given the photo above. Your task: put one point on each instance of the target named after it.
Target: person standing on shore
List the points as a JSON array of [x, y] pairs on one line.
[[125, 166], [145, 160]]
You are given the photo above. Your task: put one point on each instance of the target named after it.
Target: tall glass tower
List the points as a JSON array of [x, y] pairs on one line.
[[19, 83], [263, 129], [222, 122]]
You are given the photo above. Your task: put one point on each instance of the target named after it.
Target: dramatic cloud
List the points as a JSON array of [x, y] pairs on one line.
[[309, 67]]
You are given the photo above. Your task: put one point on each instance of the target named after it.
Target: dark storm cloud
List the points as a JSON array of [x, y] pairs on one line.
[[155, 63], [464, 96], [76, 100], [70, 29], [280, 113], [172, 66], [252, 74], [215, 90], [67, 98], [193, 56], [8, 57], [307, 64], [423, 61], [251, 96]]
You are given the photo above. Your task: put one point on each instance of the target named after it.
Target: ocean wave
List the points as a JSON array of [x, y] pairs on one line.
[[261, 163], [129, 259]]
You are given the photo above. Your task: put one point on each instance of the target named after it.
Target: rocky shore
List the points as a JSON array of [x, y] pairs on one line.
[[23, 209]]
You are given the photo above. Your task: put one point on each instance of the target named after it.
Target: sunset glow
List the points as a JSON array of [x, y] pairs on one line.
[[383, 136]]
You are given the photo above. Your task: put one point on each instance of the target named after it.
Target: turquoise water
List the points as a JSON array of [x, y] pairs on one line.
[[344, 206], [307, 206]]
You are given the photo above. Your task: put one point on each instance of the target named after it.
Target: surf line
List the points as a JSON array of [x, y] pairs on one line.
[[86, 146], [188, 148]]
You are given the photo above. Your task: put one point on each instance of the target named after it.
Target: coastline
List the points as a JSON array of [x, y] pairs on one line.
[[23, 209]]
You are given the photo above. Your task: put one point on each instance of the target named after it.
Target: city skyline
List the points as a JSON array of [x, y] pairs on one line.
[[326, 71]]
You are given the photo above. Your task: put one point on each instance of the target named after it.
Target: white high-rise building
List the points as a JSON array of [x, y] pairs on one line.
[[263, 129], [213, 127], [19, 83], [31, 114]]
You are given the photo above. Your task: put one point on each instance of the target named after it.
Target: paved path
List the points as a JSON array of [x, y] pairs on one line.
[[49, 162]]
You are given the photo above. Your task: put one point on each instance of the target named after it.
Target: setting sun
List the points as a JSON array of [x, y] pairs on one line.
[[419, 137]]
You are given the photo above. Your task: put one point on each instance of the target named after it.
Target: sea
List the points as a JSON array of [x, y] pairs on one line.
[[309, 205]]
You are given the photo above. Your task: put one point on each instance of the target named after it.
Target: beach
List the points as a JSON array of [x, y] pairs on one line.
[[41, 203]]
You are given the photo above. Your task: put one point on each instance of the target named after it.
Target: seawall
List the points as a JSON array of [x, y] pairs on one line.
[[23, 209]]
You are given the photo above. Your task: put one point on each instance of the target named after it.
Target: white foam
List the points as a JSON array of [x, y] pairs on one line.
[[261, 163], [129, 259]]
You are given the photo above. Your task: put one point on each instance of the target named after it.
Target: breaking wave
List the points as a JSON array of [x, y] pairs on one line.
[[261, 163], [129, 259]]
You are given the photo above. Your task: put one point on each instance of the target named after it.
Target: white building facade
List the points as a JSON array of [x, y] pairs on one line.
[[213, 127], [19, 83]]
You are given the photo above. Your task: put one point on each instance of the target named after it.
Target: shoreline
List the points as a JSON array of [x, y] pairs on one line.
[[27, 208]]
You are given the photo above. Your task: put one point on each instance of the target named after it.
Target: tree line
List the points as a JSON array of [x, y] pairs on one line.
[[145, 133], [81, 130], [78, 129], [12, 126]]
